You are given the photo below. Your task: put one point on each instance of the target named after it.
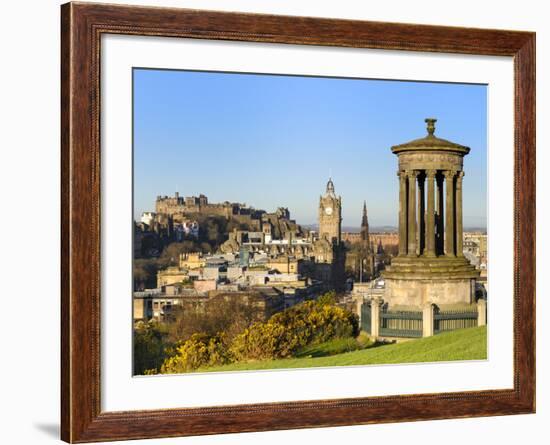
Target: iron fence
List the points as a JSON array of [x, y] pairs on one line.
[[408, 322], [400, 323], [449, 320]]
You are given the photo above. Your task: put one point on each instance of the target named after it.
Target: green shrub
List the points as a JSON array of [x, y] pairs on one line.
[[201, 350], [364, 339]]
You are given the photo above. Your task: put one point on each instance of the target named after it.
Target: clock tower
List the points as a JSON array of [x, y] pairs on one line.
[[330, 215]]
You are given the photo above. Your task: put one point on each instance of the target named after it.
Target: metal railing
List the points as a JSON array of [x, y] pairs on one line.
[[409, 322], [398, 323], [449, 320]]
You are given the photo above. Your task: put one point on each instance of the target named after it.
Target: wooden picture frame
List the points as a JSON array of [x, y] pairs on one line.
[[82, 26]]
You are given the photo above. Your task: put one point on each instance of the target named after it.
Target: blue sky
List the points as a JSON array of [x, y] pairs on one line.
[[272, 141]]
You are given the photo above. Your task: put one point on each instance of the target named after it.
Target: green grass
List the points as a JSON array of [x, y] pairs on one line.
[[462, 344], [334, 347]]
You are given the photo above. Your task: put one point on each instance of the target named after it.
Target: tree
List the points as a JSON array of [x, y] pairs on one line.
[[145, 272], [149, 348], [172, 251], [223, 313]]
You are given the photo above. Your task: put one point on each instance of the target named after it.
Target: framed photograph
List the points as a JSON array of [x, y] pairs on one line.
[[274, 222]]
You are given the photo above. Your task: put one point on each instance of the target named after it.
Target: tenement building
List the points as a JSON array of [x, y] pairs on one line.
[[430, 266]]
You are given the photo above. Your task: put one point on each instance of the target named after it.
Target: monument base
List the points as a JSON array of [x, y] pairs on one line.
[[416, 281]]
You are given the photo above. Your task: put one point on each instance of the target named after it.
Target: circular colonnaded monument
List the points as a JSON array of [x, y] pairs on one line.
[[430, 267]]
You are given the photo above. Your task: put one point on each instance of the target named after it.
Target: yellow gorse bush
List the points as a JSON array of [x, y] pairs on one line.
[[200, 350], [286, 332], [281, 336]]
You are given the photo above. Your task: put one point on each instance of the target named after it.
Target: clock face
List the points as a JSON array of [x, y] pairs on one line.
[[328, 210]]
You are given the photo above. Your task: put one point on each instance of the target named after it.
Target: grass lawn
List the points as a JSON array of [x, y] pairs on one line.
[[463, 344]]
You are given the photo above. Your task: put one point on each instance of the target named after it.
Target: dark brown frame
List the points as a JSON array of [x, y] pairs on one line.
[[81, 28]]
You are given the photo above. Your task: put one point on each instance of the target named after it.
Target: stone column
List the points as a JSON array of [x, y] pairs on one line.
[[449, 211], [359, 306], [402, 213], [459, 229], [375, 318], [428, 320], [481, 312], [412, 213], [421, 216], [430, 216], [440, 214]]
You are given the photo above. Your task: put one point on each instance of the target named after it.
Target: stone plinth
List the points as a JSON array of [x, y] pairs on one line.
[[422, 280], [418, 292]]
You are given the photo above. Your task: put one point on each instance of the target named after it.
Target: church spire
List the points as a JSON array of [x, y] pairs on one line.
[[365, 227], [365, 219], [330, 187]]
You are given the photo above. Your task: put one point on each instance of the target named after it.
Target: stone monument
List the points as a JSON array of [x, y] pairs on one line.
[[430, 266]]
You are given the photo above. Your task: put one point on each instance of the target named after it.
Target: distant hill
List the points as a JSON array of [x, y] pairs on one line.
[[475, 229], [379, 229], [355, 229]]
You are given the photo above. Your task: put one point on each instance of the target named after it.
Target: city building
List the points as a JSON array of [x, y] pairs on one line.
[[381, 242], [193, 260], [160, 304], [171, 275], [475, 248], [147, 217], [285, 243], [276, 267], [186, 229]]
